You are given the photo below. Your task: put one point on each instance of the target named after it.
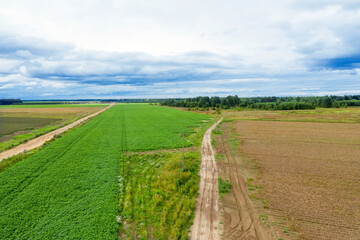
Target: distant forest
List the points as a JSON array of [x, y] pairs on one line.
[[10, 101], [264, 103]]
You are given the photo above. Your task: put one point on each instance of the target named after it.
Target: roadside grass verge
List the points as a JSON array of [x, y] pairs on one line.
[[157, 200], [196, 136]]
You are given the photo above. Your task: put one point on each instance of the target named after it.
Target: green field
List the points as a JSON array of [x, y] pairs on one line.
[[73, 188]]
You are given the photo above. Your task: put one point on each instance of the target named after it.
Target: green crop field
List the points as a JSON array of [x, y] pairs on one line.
[[78, 187]]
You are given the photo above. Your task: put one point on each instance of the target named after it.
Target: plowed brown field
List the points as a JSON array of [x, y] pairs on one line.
[[334, 115], [58, 112], [308, 172], [239, 216]]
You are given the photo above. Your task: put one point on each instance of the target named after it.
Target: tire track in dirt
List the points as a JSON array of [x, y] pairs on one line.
[[241, 220], [206, 222], [37, 142]]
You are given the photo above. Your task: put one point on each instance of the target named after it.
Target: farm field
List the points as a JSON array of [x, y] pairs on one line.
[[335, 115], [90, 177], [9, 125], [239, 216], [19, 123], [53, 105], [301, 172]]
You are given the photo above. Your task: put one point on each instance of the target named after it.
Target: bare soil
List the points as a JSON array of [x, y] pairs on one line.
[[309, 174], [340, 115], [37, 142], [48, 112], [10, 125], [10, 136], [239, 216], [206, 222]]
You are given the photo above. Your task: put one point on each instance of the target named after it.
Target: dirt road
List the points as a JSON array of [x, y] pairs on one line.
[[37, 142], [206, 222]]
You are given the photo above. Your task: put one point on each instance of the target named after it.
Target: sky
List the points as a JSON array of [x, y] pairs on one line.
[[78, 49]]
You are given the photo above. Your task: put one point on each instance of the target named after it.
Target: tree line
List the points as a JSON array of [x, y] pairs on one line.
[[264, 103], [10, 101]]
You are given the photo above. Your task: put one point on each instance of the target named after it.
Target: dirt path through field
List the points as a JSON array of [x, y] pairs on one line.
[[37, 142], [206, 222]]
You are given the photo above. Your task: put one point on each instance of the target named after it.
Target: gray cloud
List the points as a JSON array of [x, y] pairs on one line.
[[126, 49]]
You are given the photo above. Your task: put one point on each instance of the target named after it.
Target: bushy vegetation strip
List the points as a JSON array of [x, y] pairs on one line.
[[157, 199]]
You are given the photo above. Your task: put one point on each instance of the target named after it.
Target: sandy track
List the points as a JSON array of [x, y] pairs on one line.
[[206, 222], [37, 142]]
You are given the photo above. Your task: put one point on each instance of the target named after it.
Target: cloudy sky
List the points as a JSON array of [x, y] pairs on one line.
[[71, 49]]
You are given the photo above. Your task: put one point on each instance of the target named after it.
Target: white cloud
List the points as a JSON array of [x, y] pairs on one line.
[[135, 47], [156, 27], [23, 53], [47, 94], [9, 65]]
